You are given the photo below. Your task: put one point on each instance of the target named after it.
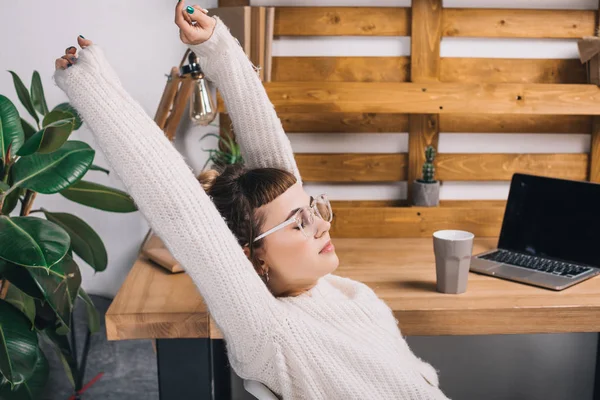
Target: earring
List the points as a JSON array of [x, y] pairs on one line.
[[266, 276]]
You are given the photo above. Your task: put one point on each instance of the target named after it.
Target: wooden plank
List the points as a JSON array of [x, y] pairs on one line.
[[425, 67], [397, 69], [342, 21], [490, 123], [348, 167], [153, 303], [518, 23], [425, 43], [239, 21], [257, 47], [183, 95], [501, 167], [430, 98], [449, 123], [341, 69], [344, 122], [367, 203], [166, 100], [505, 70], [403, 203], [233, 3], [396, 222]]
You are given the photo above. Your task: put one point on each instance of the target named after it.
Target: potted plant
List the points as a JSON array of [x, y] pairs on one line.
[[39, 278], [426, 191], [227, 152]]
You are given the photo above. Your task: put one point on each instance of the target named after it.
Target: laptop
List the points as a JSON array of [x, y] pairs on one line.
[[550, 234]]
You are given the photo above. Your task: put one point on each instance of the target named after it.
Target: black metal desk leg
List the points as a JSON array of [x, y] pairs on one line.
[[192, 369]]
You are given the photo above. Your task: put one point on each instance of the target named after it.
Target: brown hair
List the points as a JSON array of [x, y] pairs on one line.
[[237, 192]]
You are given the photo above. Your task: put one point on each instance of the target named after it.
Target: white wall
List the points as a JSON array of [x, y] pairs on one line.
[[141, 40]]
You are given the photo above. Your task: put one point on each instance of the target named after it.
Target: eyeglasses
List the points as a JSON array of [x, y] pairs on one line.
[[304, 217]]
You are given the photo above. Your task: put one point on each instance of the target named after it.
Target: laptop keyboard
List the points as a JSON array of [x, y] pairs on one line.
[[553, 267]]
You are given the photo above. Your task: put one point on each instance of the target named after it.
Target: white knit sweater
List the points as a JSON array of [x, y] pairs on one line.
[[337, 341]]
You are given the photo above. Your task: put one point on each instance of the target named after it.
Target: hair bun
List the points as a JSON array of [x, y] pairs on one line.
[[207, 179]]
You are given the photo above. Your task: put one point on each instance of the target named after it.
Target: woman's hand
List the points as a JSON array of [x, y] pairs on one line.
[[195, 26], [70, 56]]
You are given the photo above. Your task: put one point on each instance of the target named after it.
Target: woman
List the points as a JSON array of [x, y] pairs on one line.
[[301, 331]]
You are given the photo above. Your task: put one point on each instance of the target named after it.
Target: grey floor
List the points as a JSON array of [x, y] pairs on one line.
[[129, 366]]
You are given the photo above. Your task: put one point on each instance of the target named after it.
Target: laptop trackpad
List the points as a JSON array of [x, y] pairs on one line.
[[511, 272]]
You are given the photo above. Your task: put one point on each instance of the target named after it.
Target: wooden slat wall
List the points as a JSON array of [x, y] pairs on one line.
[[431, 98], [428, 95], [424, 129], [397, 69], [468, 22]]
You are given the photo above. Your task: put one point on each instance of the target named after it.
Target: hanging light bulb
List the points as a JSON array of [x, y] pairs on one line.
[[202, 105]]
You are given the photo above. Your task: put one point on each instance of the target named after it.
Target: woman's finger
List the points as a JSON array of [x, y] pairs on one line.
[[179, 18], [70, 58], [200, 17], [197, 7], [61, 63], [83, 42], [71, 50]]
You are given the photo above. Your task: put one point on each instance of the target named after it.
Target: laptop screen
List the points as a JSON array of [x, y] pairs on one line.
[[553, 218]]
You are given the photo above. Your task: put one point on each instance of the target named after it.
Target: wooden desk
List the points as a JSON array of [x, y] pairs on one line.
[[154, 304]]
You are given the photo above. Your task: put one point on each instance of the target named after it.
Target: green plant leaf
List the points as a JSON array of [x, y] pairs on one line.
[[99, 196], [59, 284], [97, 168], [85, 242], [3, 187], [50, 138], [33, 387], [21, 301], [18, 345], [12, 130], [20, 277], [32, 242], [28, 130], [66, 107], [61, 345], [92, 313], [57, 115], [56, 171], [37, 94], [23, 95]]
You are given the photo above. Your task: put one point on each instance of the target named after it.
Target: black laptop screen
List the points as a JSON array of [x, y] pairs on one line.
[[553, 218]]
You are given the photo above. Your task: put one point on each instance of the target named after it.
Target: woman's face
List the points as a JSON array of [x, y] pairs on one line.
[[295, 262]]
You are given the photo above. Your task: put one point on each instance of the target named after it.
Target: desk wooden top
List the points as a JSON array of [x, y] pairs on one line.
[[153, 303]]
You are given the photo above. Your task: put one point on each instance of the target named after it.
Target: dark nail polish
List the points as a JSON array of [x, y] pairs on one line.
[[81, 36], [190, 9]]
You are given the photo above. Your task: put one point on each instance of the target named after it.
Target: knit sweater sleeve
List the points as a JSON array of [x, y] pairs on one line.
[[258, 130], [173, 202]]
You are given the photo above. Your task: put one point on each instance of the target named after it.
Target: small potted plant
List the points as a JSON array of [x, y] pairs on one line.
[[426, 191]]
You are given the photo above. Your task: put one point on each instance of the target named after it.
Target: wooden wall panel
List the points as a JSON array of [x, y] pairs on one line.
[[423, 130], [394, 222], [501, 167], [429, 98], [518, 23], [490, 123], [341, 69], [499, 70], [346, 167], [397, 69], [344, 122], [340, 21]]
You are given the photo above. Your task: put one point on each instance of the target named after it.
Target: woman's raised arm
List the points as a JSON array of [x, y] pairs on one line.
[[258, 130], [171, 199]]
